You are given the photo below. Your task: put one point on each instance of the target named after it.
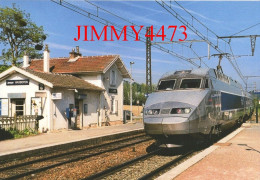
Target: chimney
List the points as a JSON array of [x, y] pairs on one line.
[[78, 53], [46, 59], [73, 54], [26, 61]]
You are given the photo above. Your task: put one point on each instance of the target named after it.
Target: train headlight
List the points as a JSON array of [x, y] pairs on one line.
[[187, 110], [152, 111]]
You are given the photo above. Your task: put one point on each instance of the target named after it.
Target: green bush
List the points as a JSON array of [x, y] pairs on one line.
[[15, 133], [5, 134]]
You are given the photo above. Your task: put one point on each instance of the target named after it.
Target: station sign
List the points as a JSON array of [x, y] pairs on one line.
[[113, 91], [82, 96], [17, 82], [56, 96]]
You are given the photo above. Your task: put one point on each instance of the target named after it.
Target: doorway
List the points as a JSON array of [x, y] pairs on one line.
[[79, 117]]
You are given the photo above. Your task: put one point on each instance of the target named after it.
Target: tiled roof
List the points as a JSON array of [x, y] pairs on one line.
[[65, 81], [82, 64]]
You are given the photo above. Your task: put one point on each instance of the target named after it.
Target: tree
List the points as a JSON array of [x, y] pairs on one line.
[[3, 68], [139, 91], [19, 35]]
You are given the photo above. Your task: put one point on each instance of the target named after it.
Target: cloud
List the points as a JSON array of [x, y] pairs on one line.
[[117, 45], [137, 18], [198, 14], [153, 59], [175, 6], [54, 34], [143, 7], [69, 48]]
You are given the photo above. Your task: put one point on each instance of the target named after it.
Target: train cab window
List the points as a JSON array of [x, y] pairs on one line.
[[166, 84], [206, 83], [190, 83]]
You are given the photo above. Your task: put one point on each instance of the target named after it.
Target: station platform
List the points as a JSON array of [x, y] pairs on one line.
[[237, 156], [64, 137]]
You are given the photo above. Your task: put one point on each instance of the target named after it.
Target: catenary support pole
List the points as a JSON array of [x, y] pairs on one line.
[[131, 95]]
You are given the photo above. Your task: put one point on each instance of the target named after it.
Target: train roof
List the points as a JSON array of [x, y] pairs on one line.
[[198, 72], [205, 72]]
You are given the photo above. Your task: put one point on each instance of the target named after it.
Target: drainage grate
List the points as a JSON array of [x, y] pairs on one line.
[[222, 144]]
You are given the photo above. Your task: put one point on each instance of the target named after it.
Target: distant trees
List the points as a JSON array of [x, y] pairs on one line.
[[19, 35], [138, 91]]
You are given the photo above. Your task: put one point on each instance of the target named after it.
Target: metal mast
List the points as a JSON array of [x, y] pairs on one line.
[[148, 62]]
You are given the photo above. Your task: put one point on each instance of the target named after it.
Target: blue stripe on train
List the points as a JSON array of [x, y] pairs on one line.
[[231, 101]]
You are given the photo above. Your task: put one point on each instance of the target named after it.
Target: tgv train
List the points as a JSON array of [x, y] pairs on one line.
[[190, 104]]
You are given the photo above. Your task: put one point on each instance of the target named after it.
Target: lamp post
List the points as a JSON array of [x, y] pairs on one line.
[[131, 96]]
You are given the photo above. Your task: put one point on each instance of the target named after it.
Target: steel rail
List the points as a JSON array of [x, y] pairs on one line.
[[34, 171], [66, 153], [165, 166], [120, 166]]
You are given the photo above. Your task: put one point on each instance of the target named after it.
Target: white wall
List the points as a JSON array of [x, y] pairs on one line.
[[108, 96], [54, 110], [103, 80], [58, 108], [93, 79], [29, 90], [92, 101]]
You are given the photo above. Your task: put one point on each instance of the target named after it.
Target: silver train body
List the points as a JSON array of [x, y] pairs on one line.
[[194, 103]]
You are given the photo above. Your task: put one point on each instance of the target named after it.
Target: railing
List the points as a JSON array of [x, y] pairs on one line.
[[19, 122]]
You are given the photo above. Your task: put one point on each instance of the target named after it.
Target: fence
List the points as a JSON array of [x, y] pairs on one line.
[[19, 122]]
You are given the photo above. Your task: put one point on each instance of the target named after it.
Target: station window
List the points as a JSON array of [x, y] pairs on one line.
[[113, 78], [18, 106], [114, 106]]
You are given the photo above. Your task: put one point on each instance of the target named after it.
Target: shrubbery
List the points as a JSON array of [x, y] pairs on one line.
[[15, 133]]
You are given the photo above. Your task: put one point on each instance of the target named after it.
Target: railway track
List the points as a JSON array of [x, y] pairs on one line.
[[150, 165], [143, 167], [138, 166], [28, 167]]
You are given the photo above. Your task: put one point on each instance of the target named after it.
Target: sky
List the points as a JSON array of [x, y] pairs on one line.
[[224, 18]]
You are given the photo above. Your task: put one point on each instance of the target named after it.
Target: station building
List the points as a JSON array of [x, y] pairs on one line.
[[72, 92]]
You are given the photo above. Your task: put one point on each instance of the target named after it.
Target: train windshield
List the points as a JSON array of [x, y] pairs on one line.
[[190, 83], [166, 84]]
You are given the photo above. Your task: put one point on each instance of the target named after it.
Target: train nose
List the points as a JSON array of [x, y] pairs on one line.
[[153, 125], [166, 125], [175, 125]]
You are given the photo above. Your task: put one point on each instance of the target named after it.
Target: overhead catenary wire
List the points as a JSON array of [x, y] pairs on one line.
[[236, 67], [246, 29], [126, 20], [104, 21], [173, 12]]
